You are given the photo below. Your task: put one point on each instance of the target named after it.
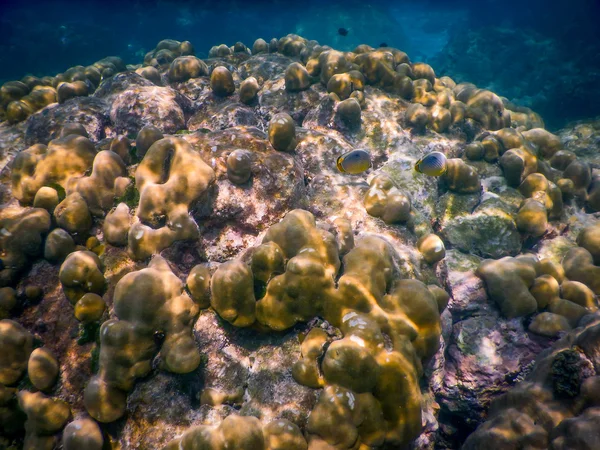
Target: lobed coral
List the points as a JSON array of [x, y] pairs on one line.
[[21, 238], [385, 200], [185, 67], [38, 166], [21, 99], [221, 82], [524, 285], [170, 178], [42, 369], [166, 51], [45, 417], [368, 302], [248, 90], [282, 132], [149, 301], [81, 273], [82, 433], [17, 345], [579, 262]]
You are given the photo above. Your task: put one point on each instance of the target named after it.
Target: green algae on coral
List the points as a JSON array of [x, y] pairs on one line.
[[131, 196], [488, 231]]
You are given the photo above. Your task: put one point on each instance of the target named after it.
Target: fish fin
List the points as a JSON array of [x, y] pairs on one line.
[[338, 163], [417, 165]]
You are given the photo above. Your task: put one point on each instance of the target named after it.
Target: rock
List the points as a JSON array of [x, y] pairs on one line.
[[274, 98], [47, 124], [247, 207], [485, 356], [113, 86], [222, 115], [12, 141], [264, 66], [138, 106]]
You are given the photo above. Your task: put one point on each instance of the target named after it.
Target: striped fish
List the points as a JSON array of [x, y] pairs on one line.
[[432, 164]]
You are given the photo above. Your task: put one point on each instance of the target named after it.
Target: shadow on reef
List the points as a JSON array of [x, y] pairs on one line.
[[249, 293]]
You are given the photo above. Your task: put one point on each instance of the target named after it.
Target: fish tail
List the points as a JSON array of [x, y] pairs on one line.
[[417, 166], [339, 164]]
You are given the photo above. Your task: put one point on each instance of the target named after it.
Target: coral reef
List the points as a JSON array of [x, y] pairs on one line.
[[359, 364], [473, 54], [231, 287], [21, 99], [524, 284], [555, 405]]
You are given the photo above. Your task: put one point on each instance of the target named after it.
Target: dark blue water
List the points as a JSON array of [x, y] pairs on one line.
[[541, 54]]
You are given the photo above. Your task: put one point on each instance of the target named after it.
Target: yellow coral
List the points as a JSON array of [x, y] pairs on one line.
[[38, 166], [233, 293], [17, 344], [80, 273], [385, 200], [170, 178], [147, 301]]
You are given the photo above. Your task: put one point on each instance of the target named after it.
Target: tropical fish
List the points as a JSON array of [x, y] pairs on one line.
[[432, 164], [383, 44], [343, 31], [354, 161]]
